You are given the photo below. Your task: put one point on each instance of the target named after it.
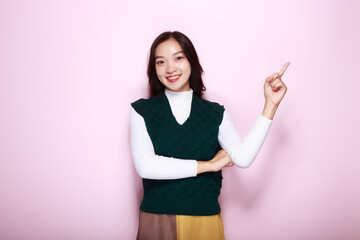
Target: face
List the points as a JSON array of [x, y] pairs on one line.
[[172, 67]]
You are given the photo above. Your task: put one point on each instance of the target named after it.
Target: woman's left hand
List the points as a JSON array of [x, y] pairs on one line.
[[274, 88]]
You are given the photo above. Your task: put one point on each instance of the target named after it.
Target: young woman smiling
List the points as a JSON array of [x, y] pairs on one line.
[[180, 143]]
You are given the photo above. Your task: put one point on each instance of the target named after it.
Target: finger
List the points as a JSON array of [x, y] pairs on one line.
[[276, 81], [276, 86], [269, 79], [230, 164], [276, 75], [219, 152], [283, 69]]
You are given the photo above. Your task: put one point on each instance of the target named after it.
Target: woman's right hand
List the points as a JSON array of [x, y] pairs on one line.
[[218, 162], [221, 160]]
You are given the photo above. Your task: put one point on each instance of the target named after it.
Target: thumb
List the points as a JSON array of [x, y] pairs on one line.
[[219, 152], [269, 79]]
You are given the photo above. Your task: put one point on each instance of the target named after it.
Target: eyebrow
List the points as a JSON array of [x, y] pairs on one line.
[[156, 57]]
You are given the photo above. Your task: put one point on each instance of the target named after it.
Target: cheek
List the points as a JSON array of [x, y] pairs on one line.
[[159, 71], [187, 66], [159, 74]]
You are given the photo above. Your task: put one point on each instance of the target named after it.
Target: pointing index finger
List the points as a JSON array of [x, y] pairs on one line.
[[283, 69]]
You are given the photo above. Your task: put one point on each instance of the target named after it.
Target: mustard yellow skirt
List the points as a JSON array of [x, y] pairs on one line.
[[180, 227]]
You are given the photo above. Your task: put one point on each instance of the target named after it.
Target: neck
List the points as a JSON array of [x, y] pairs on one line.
[[181, 92], [184, 96]]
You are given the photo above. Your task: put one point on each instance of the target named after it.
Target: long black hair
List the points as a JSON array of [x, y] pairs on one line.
[[195, 80]]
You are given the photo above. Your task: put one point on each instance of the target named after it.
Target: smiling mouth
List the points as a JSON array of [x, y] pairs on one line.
[[173, 78]]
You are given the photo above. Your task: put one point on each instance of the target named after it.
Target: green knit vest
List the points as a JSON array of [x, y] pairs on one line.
[[196, 138]]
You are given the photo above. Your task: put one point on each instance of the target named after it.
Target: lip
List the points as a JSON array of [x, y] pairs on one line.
[[174, 79]]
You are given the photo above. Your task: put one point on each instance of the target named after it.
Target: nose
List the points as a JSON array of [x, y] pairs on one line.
[[170, 68]]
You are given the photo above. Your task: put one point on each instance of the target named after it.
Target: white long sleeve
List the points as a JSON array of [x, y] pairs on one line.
[[243, 151], [147, 163], [152, 166]]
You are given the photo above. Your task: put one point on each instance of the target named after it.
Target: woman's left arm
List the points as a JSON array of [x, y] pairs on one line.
[[244, 151]]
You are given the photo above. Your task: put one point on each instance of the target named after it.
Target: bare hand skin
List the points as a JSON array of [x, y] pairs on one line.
[[220, 161], [274, 91]]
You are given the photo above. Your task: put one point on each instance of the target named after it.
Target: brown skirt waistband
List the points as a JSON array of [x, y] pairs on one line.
[[179, 227]]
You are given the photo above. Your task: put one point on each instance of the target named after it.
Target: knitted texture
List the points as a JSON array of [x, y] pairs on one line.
[[196, 138]]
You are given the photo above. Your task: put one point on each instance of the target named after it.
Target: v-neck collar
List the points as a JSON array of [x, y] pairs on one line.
[[168, 106]]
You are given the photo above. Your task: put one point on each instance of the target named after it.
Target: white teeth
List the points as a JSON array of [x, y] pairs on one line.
[[173, 77]]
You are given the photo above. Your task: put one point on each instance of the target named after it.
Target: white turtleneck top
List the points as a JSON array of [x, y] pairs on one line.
[[151, 166]]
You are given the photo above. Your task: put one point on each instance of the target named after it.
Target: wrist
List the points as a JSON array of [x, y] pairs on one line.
[[203, 166], [269, 110]]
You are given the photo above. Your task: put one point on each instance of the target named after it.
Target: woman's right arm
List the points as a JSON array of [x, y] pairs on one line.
[[152, 166]]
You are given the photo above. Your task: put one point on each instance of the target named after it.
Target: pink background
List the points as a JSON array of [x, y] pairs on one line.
[[70, 69]]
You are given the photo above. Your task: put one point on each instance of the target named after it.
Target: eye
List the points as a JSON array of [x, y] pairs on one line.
[[179, 58], [159, 62]]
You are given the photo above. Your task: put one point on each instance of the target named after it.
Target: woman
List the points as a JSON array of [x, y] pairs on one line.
[[180, 142]]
